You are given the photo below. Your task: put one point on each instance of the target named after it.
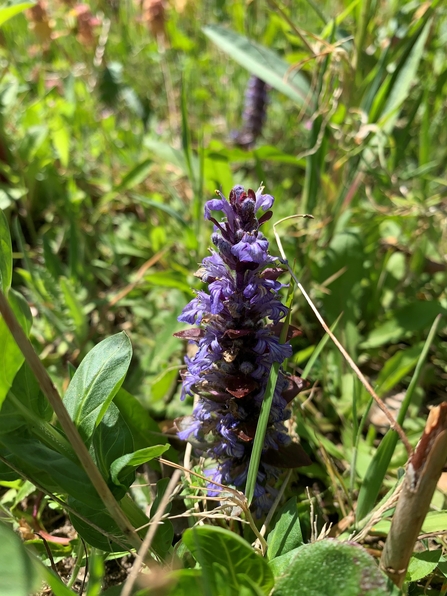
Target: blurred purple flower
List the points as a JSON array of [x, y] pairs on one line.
[[254, 114], [238, 341]]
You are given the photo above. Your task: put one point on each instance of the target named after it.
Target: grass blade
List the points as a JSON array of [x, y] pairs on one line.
[[258, 443], [381, 460]]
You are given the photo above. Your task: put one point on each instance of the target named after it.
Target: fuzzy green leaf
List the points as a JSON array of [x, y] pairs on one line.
[[211, 546], [97, 381]]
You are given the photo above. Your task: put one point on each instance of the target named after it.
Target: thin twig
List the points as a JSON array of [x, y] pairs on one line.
[[238, 498], [273, 508], [127, 589], [393, 423], [139, 274], [51, 393]]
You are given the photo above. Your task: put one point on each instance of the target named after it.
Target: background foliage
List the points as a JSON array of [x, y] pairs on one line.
[[117, 122]]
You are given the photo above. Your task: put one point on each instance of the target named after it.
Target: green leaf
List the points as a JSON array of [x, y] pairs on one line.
[[101, 518], [328, 567], [11, 358], [18, 576], [7, 12], [161, 384], [123, 465], [5, 254], [75, 309], [61, 142], [145, 430], [375, 474], [159, 205], [379, 464], [263, 63], [112, 439], [435, 521], [56, 584], [165, 532], [52, 470], [280, 565], [187, 582], [97, 381], [396, 368], [422, 564], [286, 535], [211, 545], [404, 323], [26, 388], [137, 174]]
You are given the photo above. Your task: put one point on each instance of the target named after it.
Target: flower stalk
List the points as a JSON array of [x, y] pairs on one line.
[[237, 328]]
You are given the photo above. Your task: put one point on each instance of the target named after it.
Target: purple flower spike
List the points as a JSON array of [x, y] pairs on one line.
[[237, 343]]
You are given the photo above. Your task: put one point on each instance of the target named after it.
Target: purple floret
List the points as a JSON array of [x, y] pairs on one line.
[[237, 344]]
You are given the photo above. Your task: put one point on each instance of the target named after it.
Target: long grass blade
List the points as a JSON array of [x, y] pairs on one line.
[[258, 442]]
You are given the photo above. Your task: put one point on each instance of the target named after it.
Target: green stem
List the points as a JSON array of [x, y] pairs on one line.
[[78, 563]]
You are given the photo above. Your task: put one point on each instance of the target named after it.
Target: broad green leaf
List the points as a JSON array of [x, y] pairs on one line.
[[286, 535], [162, 383], [112, 439], [18, 576], [26, 389], [10, 418], [328, 567], [422, 564], [281, 565], [11, 358], [166, 153], [50, 469], [263, 63], [97, 381], [216, 545], [145, 431], [5, 254], [125, 464], [187, 582], [7, 12], [101, 518], [33, 140], [248, 587]]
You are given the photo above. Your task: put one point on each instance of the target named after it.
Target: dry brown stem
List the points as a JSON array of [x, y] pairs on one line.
[[423, 472]]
